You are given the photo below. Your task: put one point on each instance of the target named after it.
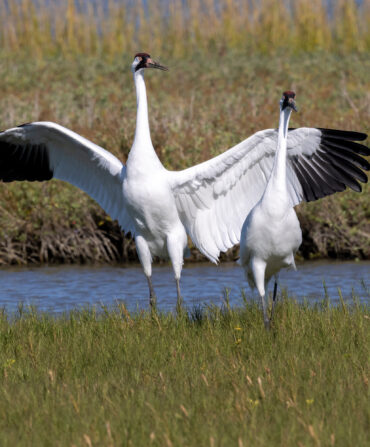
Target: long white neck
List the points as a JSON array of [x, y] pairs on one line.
[[277, 179], [142, 132]]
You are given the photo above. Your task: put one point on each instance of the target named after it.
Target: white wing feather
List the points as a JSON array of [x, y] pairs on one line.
[[214, 197]]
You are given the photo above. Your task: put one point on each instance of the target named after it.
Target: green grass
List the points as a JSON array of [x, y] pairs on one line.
[[216, 378], [201, 107]]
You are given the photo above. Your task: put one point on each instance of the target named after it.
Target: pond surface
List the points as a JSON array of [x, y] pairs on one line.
[[56, 289]]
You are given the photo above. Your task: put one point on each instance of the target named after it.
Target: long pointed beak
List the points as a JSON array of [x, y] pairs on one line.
[[153, 64]]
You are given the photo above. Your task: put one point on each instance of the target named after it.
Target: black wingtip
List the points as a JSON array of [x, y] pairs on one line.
[[344, 143], [355, 187], [336, 164], [24, 162], [343, 134]]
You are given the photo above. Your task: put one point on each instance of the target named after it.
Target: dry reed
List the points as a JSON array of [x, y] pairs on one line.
[[43, 28]]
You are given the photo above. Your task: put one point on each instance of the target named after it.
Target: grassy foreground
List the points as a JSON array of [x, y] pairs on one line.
[[214, 378]]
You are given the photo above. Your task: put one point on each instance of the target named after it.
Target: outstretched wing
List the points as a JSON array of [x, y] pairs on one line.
[[214, 197], [43, 150]]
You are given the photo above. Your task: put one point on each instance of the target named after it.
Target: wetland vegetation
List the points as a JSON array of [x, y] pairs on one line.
[[224, 80], [210, 377]]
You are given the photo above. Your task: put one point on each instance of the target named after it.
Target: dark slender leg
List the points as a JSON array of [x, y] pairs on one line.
[[266, 319], [152, 295], [179, 297], [274, 299]]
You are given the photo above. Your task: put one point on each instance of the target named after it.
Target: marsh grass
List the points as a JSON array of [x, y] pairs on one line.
[[196, 112], [229, 61], [74, 27], [209, 377]]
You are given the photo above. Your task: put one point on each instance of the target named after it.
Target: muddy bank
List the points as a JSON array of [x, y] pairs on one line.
[[102, 241]]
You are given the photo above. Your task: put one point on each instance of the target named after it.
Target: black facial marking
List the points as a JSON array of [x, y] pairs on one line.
[[142, 64], [288, 97]]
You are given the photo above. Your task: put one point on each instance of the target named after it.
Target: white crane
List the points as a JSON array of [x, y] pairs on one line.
[[208, 201], [271, 233]]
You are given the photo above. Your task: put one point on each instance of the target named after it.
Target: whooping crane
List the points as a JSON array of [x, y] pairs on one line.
[[208, 201], [271, 233]]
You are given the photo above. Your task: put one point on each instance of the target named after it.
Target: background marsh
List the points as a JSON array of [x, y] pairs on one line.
[[229, 61], [204, 105]]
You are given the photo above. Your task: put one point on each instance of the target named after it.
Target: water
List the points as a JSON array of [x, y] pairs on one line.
[[56, 289]]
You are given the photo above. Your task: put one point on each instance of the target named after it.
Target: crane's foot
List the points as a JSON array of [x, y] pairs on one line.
[[267, 323], [179, 307], [153, 302], [266, 318]]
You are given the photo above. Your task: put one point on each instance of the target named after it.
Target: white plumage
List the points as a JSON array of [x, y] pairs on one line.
[[208, 201], [271, 233]]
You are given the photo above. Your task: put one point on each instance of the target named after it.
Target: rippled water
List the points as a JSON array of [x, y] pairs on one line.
[[61, 288]]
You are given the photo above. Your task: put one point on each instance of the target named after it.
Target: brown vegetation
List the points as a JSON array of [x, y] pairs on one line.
[[218, 92], [178, 27]]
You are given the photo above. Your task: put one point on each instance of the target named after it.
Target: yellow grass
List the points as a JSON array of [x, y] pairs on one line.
[[175, 27]]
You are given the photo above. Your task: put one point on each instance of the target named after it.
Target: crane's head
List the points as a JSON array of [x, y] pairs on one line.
[[287, 100], [143, 60]]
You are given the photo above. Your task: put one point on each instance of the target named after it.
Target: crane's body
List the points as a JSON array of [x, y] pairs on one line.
[[270, 238], [157, 226], [271, 233], [150, 201], [208, 201]]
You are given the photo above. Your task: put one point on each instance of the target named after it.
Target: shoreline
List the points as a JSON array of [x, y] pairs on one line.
[[110, 246]]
